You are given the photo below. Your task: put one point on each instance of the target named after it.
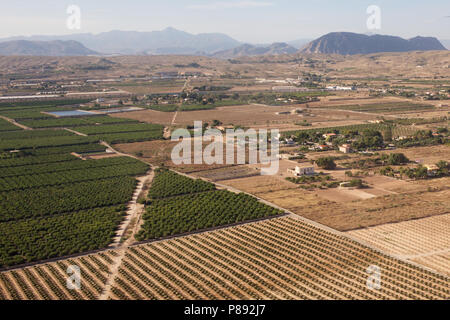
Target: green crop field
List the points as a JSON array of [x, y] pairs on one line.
[[7, 126], [72, 122], [55, 204], [169, 184], [29, 240], [181, 205]]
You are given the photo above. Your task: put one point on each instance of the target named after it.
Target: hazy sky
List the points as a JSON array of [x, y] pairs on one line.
[[253, 21]]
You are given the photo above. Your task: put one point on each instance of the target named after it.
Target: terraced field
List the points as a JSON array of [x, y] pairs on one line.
[[283, 258]]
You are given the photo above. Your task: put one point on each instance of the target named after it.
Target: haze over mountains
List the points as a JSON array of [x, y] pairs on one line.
[[354, 43], [167, 41], [251, 50], [44, 48], [172, 41]]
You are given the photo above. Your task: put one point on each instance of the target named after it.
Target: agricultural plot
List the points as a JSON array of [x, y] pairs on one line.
[[280, 259], [43, 142], [341, 129], [41, 104], [53, 200], [37, 239], [49, 282], [425, 241], [124, 133], [57, 150], [163, 108], [196, 212], [119, 128], [397, 107], [55, 204], [180, 205], [228, 173], [7, 126], [131, 137], [29, 160], [76, 164], [16, 135], [276, 259], [102, 170], [72, 122], [169, 184]]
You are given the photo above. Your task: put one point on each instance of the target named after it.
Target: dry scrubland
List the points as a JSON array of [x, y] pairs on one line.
[[400, 65], [283, 258]]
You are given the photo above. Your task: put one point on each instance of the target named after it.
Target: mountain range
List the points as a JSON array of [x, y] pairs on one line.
[[172, 41], [251, 50], [44, 48], [167, 41], [353, 43]]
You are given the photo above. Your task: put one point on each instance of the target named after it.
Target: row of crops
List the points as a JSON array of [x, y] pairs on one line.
[[46, 201], [53, 204], [49, 282], [132, 168], [34, 134], [385, 107], [42, 142], [58, 150], [7, 126], [189, 213], [17, 161], [30, 240], [181, 205], [75, 164], [73, 122], [169, 184], [119, 128], [25, 105], [275, 259]]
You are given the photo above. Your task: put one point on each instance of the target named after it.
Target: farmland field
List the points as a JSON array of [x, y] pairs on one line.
[[7, 126], [424, 241], [99, 189], [283, 258], [44, 190], [180, 205], [397, 107]]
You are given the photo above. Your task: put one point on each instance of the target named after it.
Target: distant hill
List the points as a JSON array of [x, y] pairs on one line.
[[44, 48], [167, 41], [299, 43], [353, 43], [446, 43], [248, 50]]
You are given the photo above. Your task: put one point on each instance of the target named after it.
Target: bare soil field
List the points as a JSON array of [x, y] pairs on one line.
[[351, 212], [149, 116], [260, 116], [425, 241], [227, 173]]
